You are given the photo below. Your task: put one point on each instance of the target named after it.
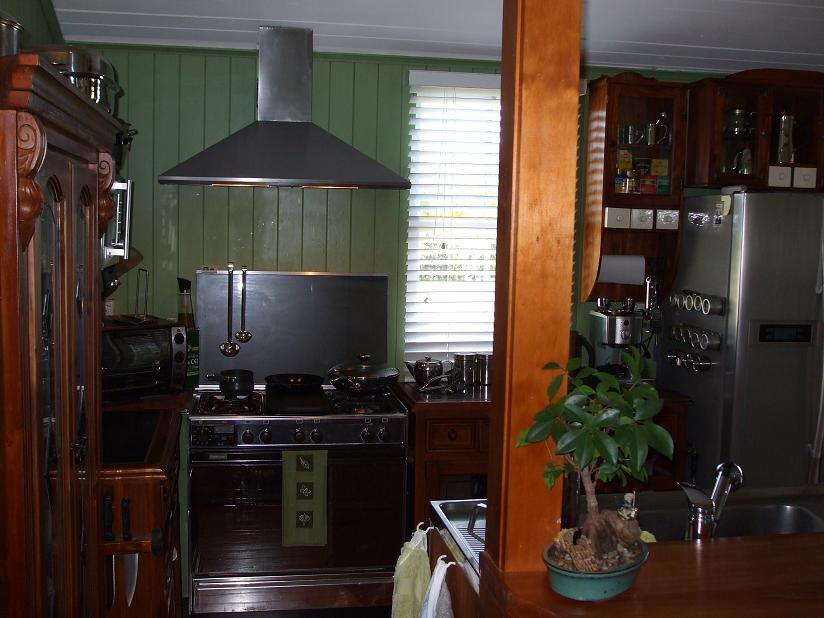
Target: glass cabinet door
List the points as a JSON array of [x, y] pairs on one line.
[[79, 316], [741, 150], [795, 135], [44, 302], [644, 160]]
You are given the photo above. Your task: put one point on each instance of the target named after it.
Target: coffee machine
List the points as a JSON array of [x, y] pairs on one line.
[[616, 325]]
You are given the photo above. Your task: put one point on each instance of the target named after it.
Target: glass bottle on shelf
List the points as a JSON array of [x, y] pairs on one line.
[[186, 317], [185, 312]]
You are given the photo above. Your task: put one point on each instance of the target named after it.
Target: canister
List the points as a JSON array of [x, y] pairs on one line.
[[483, 369], [10, 30], [465, 367]]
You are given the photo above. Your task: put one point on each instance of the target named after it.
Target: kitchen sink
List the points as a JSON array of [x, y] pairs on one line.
[[748, 512], [466, 522], [745, 520]]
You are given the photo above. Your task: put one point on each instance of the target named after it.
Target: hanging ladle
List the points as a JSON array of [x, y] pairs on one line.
[[229, 347], [243, 335]]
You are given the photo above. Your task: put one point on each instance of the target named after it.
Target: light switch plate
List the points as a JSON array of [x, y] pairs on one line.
[[804, 177], [779, 176], [617, 217], [642, 219], [666, 219]]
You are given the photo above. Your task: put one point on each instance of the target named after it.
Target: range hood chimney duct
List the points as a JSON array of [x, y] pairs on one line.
[[283, 148]]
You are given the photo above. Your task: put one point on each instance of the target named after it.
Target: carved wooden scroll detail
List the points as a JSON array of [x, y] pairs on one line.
[[105, 178], [31, 151]]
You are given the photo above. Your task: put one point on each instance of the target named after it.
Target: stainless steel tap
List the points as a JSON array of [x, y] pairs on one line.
[[705, 511]]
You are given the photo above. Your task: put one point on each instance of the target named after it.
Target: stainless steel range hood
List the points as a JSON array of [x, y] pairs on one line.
[[283, 148]]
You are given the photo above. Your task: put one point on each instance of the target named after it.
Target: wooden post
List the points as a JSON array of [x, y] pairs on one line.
[[536, 219]]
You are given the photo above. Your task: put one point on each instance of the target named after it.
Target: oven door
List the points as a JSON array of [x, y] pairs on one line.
[[237, 518]]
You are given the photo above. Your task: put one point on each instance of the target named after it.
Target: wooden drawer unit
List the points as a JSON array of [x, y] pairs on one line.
[[452, 435], [450, 444]]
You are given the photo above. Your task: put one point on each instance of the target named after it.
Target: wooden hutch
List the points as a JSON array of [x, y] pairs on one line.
[[57, 170]]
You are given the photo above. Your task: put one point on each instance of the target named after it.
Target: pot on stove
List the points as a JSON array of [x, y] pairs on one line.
[[235, 383], [294, 382], [363, 377]]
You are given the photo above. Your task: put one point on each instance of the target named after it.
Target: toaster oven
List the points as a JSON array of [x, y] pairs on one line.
[[142, 357]]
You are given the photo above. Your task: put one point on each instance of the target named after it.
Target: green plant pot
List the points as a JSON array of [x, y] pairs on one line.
[[594, 586]]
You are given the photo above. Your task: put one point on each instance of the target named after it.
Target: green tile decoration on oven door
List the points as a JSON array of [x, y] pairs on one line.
[[303, 517]]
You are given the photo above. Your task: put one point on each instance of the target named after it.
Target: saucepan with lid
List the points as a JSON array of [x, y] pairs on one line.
[[87, 69], [362, 377]]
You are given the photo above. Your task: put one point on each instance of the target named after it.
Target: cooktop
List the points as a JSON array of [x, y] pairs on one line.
[[320, 402]]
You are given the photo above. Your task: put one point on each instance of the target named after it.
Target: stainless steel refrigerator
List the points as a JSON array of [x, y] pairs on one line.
[[743, 333]]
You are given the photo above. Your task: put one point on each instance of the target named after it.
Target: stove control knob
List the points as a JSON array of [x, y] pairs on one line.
[[266, 436], [248, 437], [299, 435], [383, 434], [315, 435], [367, 435]]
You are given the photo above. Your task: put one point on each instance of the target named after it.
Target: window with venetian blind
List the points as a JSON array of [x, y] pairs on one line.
[[453, 208]]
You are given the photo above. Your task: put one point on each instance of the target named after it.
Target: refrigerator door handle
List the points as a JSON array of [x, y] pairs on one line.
[[814, 473]]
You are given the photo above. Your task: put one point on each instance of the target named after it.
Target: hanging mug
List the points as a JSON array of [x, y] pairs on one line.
[[656, 133], [742, 162]]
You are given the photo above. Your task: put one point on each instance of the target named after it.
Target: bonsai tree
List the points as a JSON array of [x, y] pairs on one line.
[[600, 430]]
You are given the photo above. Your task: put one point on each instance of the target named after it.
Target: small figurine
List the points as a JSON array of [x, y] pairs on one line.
[[627, 509]]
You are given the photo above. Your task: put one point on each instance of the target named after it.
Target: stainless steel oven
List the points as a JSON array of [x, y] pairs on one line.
[[295, 511]]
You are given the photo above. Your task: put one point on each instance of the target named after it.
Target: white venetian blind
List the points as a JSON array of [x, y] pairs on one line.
[[453, 203]]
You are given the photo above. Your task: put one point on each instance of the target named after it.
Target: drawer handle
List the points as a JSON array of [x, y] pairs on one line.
[[452, 434]]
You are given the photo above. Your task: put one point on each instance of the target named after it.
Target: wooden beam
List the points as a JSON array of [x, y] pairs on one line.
[[536, 220]]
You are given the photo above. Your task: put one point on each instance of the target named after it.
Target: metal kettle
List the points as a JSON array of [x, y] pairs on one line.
[[424, 369]]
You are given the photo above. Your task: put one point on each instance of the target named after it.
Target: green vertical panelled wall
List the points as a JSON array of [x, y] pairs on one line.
[[182, 100], [38, 20]]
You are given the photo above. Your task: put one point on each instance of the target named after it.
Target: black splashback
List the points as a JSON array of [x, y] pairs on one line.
[[300, 322]]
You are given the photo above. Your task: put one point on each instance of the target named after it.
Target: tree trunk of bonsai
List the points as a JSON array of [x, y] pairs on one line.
[[589, 490]]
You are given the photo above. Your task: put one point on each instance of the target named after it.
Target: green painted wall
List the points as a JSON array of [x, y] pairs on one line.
[[182, 100], [38, 20]]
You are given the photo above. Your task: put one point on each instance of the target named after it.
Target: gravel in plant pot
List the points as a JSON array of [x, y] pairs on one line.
[[600, 430]]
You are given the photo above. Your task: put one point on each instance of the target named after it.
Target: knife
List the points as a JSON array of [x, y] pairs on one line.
[[112, 274], [108, 535], [130, 561]]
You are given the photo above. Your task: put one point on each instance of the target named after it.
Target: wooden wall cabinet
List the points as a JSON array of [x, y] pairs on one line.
[[450, 438], [733, 135], [54, 199], [636, 125]]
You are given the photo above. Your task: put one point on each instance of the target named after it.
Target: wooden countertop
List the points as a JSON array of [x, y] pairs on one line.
[[475, 397], [161, 458], [773, 576], [174, 401]]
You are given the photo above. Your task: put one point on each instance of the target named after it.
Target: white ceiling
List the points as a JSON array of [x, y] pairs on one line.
[[702, 35]]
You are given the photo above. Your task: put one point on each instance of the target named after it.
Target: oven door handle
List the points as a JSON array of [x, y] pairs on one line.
[[154, 368]]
